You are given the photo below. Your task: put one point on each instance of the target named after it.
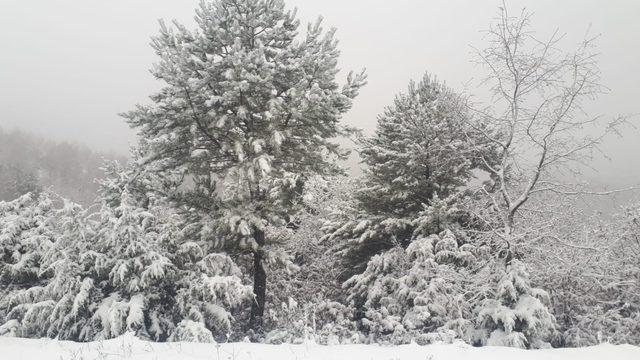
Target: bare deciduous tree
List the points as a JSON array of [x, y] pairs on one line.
[[538, 125]]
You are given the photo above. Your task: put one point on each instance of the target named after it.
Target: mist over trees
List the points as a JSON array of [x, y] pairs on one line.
[[233, 220], [30, 163]]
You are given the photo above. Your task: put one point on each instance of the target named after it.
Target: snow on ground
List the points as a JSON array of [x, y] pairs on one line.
[[128, 347]]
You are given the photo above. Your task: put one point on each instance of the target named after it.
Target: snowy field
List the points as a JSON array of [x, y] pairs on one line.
[[128, 347]]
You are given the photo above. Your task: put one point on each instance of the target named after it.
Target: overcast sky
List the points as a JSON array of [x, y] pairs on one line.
[[68, 67]]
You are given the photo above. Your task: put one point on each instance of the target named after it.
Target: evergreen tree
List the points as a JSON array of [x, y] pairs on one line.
[[155, 279], [56, 302], [423, 149], [420, 293], [248, 112], [517, 316], [26, 233], [130, 266]]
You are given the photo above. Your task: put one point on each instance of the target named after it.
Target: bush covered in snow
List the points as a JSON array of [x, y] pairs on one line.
[[191, 331], [415, 294], [518, 315], [84, 276], [306, 300], [323, 322], [594, 283], [43, 292]]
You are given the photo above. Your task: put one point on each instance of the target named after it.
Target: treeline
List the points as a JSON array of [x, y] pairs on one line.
[[29, 163]]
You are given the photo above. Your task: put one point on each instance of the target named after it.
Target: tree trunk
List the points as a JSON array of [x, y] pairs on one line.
[[259, 283]]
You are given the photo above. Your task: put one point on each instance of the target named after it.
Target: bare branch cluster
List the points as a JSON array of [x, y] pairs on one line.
[[536, 119]]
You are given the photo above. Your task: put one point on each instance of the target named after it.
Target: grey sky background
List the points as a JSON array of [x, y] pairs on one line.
[[68, 67]]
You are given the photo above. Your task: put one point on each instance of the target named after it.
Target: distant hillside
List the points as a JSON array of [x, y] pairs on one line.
[[31, 163]]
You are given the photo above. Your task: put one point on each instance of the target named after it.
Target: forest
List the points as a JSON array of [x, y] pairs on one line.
[[235, 219]]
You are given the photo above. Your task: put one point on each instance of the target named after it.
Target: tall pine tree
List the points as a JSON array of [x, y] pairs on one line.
[[249, 111], [422, 153]]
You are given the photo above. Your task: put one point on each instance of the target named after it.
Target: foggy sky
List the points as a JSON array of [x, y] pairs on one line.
[[68, 67]]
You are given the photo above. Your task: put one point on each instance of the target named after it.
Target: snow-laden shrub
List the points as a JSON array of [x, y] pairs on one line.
[[191, 331], [409, 294], [155, 278], [126, 268], [596, 288], [323, 322], [306, 300], [334, 323], [600, 326], [208, 293], [518, 315], [289, 325], [11, 328], [315, 275], [590, 266], [133, 270], [55, 303], [26, 234]]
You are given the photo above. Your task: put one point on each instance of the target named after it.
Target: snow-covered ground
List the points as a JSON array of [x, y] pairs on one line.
[[128, 347]]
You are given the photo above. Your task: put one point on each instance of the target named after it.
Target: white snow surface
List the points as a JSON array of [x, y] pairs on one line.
[[131, 348]]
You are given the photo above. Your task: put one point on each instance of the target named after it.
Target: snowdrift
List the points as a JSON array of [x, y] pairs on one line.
[[131, 348]]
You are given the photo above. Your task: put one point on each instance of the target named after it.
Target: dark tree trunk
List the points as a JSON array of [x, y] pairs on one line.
[[259, 283]]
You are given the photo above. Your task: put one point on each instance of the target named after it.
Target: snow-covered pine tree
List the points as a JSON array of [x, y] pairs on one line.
[[421, 293], [135, 273], [131, 266], [155, 279], [517, 316], [69, 285], [422, 155], [423, 148], [58, 304], [249, 111], [25, 236]]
